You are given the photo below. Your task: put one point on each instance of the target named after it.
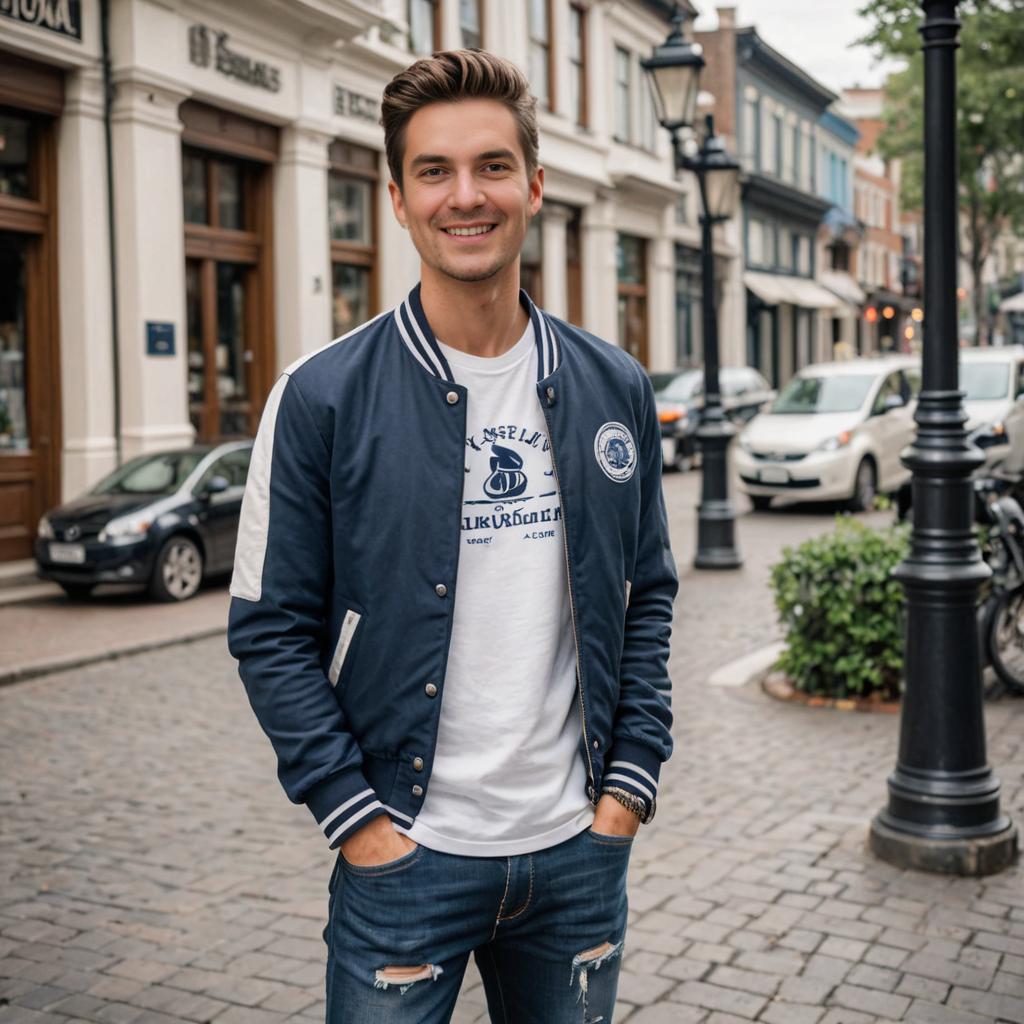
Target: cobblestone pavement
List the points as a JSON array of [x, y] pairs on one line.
[[152, 872]]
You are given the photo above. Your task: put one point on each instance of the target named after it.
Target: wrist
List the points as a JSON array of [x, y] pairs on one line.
[[633, 803]]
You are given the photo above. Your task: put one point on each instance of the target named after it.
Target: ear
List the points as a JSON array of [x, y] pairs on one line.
[[397, 203], [536, 192]]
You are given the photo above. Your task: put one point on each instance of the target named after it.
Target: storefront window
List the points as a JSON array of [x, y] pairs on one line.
[[422, 26], [631, 253], [351, 194], [13, 406], [193, 170], [531, 261], [15, 151], [232, 389], [230, 207], [350, 203]]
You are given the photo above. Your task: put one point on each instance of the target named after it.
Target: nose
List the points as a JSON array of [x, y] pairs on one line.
[[465, 194]]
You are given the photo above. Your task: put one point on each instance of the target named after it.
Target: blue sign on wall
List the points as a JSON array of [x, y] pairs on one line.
[[159, 339]]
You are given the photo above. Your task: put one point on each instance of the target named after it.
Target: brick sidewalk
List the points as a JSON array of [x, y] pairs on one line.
[[152, 872]]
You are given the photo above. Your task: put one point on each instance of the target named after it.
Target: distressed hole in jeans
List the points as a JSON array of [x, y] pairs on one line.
[[592, 960], [405, 977]]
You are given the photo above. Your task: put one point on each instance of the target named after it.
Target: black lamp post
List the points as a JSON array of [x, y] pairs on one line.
[[674, 72], [943, 811]]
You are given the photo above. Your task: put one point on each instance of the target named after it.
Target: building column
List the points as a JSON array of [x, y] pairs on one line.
[[554, 268], [599, 237], [150, 236], [302, 264], [661, 299], [732, 310], [89, 450]]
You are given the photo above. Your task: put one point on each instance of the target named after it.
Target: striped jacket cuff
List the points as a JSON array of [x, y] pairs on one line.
[[342, 804], [634, 768]]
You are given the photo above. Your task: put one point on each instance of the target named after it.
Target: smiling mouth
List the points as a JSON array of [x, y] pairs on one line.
[[483, 229]]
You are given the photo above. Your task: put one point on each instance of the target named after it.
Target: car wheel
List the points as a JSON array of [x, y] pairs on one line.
[[864, 487], [178, 570], [77, 591], [761, 502]]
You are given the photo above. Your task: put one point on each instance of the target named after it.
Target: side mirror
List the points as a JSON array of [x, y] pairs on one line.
[[215, 485], [893, 402]]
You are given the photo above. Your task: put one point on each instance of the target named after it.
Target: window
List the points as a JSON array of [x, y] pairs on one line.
[[234, 467], [755, 242], [470, 23], [777, 141], [352, 185], [813, 161], [531, 269], [578, 63], [631, 260], [16, 143], [623, 95], [767, 153], [424, 25], [540, 52], [751, 133], [648, 120], [798, 146], [213, 190], [785, 249], [803, 256]]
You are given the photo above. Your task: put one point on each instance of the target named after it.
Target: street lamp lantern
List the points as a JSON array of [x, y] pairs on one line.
[[674, 73], [721, 177]]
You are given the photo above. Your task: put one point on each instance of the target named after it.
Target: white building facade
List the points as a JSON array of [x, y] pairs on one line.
[[245, 218]]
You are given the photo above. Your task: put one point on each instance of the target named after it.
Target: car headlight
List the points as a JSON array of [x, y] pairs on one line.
[[44, 529], [745, 442], [833, 444], [125, 530]]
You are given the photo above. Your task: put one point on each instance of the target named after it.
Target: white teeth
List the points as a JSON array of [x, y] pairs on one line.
[[469, 231]]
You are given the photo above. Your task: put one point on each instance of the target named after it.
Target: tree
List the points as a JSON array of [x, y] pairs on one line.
[[990, 117]]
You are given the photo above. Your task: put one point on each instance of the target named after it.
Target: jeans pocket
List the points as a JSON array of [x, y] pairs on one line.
[[606, 840], [389, 867]]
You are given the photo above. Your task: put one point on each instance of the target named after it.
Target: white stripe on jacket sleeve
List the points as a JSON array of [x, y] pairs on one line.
[[254, 522]]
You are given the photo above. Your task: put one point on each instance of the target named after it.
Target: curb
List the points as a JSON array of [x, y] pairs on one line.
[[22, 673], [746, 669]]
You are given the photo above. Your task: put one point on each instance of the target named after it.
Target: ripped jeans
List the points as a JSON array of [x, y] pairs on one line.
[[546, 931]]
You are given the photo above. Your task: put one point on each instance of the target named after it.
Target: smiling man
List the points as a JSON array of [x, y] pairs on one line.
[[453, 594]]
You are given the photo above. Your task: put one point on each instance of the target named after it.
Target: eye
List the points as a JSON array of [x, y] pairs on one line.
[[429, 172], [496, 166]]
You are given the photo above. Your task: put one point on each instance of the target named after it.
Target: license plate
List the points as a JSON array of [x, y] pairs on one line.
[[668, 450], [69, 554], [772, 475]]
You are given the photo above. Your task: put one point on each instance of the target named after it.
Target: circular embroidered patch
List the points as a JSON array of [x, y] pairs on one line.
[[615, 451]]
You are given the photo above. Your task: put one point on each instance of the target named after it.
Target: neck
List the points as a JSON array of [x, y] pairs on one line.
[[482, 318]]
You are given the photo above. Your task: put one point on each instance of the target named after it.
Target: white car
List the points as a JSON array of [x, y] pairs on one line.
[[834, 433], [992, 380]]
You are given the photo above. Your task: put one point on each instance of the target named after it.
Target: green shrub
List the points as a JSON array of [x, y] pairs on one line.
[[843, 611]]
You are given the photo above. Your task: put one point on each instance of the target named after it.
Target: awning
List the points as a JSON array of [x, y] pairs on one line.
[[844, 286], [774, 289], [1014, 304]]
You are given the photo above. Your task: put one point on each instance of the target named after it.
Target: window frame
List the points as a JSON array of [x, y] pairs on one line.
[[435, 27], [580, 68], [479, 5], [623, 58], [549, 102], [357, 254]]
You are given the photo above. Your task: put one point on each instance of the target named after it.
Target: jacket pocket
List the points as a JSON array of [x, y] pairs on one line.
[[349, 625]]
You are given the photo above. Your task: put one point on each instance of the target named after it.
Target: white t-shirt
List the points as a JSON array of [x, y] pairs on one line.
[[508, 777]]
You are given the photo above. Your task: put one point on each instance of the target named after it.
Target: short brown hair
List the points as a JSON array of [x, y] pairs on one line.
[[447, 77]]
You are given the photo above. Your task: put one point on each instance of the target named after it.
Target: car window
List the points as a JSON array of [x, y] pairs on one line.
[[732, 382], [234, 467], [812, 394], [986, 381], [151, 474], [683, 387], [913, 378], [892, 385], [1020, 380]]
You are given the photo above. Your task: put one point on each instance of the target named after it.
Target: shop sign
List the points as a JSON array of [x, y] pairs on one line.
[[61, 16], [159, 338], [354, 104], [206, 48]]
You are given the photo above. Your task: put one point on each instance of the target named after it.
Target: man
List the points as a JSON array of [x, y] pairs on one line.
[[453, 593]]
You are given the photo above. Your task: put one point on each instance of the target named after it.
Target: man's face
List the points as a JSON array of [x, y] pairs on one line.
[[463, 168]]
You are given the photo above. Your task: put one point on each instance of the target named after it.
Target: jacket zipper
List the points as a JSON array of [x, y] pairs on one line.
[[572, 609]]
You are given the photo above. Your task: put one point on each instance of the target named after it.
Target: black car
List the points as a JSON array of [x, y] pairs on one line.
[[165, 520], [680, 397]]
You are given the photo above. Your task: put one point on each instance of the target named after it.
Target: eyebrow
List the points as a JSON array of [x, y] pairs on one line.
[[436, 158]]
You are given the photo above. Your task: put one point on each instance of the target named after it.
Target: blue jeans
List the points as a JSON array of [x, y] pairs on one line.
[[545, 928]]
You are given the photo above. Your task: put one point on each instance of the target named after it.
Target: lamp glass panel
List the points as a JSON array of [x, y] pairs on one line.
[[675, 93], [723, 192]]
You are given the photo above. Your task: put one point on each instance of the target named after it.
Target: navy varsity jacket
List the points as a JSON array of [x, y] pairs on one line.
[[346, 565]]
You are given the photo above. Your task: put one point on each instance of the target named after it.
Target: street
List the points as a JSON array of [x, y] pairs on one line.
[[152, 870]]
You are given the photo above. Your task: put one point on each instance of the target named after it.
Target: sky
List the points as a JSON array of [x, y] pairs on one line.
[[816, 34]]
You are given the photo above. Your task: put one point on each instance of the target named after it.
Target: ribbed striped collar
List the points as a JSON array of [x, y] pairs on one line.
[[419, 338]]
